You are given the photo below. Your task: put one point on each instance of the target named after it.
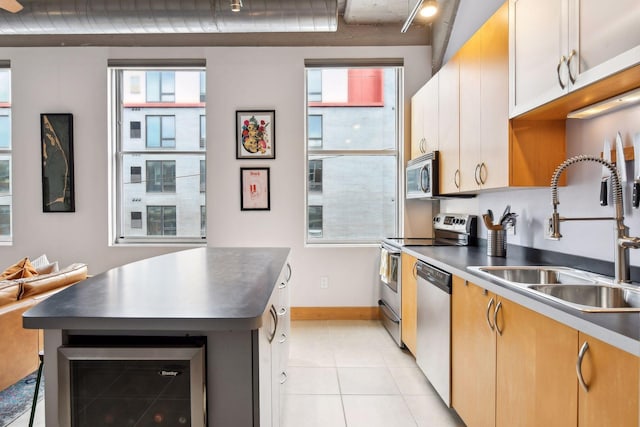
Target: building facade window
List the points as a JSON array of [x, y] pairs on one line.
[[203, 87], [134, 130], [136, 174], [203, 132], [353, 154], [161, 220], [161, 176], [161, 86], [203, 176], [315, 175], [136, 219], [314, 131], [203, 221], [158, 196], [6, 198], [315, 222], [160, 131]]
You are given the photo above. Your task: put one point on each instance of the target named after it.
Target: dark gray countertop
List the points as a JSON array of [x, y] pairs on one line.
[[621, 330], [204, 289]]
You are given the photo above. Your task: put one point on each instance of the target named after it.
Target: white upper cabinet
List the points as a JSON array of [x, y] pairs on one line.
[[557, 46]]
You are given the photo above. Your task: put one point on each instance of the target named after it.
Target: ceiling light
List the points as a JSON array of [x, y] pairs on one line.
[[236, 5], [429, 9], [426, 8], [618, 102]]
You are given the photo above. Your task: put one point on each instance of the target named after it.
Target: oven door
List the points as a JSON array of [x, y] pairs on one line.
[[390, 286]]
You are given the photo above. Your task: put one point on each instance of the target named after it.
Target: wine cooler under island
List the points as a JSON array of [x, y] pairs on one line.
[[195, 338]]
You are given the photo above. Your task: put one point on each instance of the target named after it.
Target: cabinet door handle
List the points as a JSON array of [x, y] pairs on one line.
[[571, 56], [415, 270], [563, 60], [495, 317], [289, 272], [491, 301], [282, 285], [423, 145], [283, 377], [282, 311], [476, 174], [581, 354], [483, 167], [456, 178]]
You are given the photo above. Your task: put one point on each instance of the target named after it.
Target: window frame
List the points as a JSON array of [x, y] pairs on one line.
[[398, 152], [6, 153], [120, 233]]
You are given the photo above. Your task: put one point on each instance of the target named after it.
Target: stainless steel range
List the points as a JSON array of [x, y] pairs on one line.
[[449, 230]]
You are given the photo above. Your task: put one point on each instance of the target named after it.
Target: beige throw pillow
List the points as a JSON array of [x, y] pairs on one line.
[[19, 270]]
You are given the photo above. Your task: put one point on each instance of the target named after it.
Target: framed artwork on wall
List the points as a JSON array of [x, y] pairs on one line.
[[254, 189], [256, 134], [56, 134]]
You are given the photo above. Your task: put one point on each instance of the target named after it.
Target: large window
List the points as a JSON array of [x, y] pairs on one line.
[[5, 154], [353, 154], [158, 158]]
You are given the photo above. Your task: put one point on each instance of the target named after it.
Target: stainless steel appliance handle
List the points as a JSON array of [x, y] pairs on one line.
[[581, 354], [385, 312], [423, 171], [495, 317], [491, 302]]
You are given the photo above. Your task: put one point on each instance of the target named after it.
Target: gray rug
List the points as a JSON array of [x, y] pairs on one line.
[[16, 399]]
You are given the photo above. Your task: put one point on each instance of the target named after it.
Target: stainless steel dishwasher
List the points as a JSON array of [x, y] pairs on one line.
[[433, 349]]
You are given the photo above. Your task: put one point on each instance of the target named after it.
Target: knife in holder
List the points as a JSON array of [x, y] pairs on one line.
[[606, 155]]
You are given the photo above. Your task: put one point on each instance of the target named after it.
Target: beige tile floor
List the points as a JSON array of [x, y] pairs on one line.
[[348, 374], [351, 374]]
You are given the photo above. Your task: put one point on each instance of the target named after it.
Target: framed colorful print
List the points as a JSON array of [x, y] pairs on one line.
[[254, 189], [56, 134], [256, 134]]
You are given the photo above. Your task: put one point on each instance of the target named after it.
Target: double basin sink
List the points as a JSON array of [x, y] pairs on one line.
[[574, 288]]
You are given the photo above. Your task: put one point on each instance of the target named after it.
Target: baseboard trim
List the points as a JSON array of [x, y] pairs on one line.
[[335, 313]]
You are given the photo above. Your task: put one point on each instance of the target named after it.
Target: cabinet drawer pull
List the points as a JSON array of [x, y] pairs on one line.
[[563, 60], [491, 301], [571, 56], [283, 338], [495, 317], [581, 354], [282, 285], [282, 311]]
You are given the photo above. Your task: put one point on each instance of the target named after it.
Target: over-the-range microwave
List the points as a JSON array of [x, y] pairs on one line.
[[422, 177]]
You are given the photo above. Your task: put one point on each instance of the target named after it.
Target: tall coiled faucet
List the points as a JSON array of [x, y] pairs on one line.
[[623, 242]]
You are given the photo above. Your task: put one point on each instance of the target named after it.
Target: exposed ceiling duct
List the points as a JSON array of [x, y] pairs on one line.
[[169, 16]]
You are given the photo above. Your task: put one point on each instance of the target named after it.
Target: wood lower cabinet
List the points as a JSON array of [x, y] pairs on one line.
[[409, 302], [535, 369], [473, 354], [612, 378], [510, 365]]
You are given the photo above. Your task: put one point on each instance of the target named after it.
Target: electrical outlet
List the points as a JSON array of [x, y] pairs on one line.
[[324, 282]]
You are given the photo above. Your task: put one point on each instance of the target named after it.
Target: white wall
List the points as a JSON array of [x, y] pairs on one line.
[[74, 80]]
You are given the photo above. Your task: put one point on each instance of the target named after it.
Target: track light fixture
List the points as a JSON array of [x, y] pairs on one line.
[[236, 5], [426, 9]]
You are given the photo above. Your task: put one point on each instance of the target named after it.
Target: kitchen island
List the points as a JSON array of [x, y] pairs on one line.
[[235, 300]]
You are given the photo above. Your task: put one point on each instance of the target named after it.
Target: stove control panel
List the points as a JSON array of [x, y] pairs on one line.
[[458, 223]]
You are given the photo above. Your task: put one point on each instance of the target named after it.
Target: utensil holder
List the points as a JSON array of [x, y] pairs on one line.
[[497, 242]]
